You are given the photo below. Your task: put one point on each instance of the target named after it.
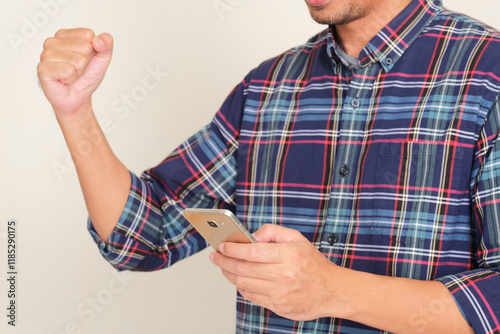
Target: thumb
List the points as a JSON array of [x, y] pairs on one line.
[[275, 233], [103, 45]]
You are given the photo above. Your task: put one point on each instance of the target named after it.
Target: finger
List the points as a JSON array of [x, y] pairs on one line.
[[103, 44], [250, 284], [82, 33], [77, 60], [257, 298], [281, 305], [74, 45], [247, 269], [275, 233], [56, 71], [254, 252]]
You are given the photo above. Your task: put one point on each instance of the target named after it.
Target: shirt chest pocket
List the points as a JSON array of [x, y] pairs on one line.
[[417, 188]]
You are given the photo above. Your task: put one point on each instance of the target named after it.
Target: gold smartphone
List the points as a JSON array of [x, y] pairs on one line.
[[217, 226]]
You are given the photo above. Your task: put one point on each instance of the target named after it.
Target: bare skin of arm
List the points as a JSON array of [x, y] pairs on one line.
[[72, 66], [285, 273]]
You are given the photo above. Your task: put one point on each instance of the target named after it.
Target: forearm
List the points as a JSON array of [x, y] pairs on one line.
[[398, 305], [104, 180], [285, 273]]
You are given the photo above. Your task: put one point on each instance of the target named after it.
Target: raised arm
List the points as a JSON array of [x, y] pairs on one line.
[[73, 64]]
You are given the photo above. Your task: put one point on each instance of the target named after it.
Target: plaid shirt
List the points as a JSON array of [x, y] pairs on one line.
[[391, 169]]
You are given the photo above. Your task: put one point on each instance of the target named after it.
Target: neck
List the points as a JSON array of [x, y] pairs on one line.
[[352, 37]]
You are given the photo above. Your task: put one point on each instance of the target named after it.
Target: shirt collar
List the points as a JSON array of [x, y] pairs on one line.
[[395, 38]]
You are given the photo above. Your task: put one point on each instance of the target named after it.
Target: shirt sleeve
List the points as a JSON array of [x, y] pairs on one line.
[[152, 233], [477, 292]]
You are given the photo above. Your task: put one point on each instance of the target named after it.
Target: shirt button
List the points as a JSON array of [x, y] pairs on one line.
[[344, 170], [332, 239], [388, 61], [355, 103]]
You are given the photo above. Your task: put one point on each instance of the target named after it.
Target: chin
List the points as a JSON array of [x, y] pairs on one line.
[[321, 18], [322, 14]]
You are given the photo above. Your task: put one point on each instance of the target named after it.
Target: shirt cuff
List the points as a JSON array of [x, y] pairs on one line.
[[478, 298], [132, 238]]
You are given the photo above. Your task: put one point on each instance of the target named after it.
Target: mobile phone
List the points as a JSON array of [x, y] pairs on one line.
[[217, 226]]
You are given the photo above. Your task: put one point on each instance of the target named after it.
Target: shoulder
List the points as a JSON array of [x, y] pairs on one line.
[[469, 24], [465, 29], [295, 58], [473, 46]]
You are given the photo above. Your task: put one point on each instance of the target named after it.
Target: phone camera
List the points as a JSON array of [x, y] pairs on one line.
[[212, 223]]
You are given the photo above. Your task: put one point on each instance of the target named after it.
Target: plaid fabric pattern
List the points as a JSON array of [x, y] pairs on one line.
[[391, 169]]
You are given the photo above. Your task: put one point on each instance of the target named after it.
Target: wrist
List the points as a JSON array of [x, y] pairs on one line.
[[342, 291], [83, 135], [76, 117]]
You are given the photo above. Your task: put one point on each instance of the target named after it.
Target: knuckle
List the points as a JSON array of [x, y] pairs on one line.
[[226, 274], [46, 54], [88, 34], [238, 281], [87, 48], [48, 43], [39, 69], [289, 276], [239, 267], [310, 264], [43, 55], [79, 61], [267, 226], [61, 32], [67, 71], [84, 33], [254, 252], [245, 294], [241, 282]]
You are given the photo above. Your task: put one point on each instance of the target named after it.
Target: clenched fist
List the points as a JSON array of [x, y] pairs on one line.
[[73, 64]]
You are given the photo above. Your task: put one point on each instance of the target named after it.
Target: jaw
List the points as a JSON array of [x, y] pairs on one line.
[[338, 12]]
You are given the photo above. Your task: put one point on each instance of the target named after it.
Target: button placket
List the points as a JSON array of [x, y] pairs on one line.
[[353, 122]]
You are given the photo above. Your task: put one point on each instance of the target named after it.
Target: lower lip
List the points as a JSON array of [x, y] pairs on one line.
[[317, 3]]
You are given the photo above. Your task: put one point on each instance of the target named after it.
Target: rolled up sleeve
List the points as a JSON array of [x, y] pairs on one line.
[[135, 234], [152, 233], [477, 292]]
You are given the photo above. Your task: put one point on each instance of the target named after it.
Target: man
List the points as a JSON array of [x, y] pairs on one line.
[[365, 163]]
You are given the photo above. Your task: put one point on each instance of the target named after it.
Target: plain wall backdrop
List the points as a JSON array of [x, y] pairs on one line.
[[199, 51]]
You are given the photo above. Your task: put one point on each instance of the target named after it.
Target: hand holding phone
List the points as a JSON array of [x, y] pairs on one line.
[[217, 226]]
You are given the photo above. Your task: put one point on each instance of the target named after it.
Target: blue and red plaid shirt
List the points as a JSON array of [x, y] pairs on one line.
[[392, 169]]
